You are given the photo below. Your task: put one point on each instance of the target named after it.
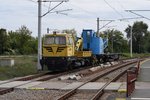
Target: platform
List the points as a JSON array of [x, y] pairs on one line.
[[92, 86], [142, 88], [141, 93], [68, 86], [144, 75], [2, 82], [13, 84], [114, 86], [29, 85], [18, 84], [51, 85], [72, 86]]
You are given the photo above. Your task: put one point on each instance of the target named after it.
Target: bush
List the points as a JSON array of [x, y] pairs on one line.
[[23, 66]]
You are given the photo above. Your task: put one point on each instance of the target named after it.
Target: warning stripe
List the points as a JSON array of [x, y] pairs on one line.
[[140, 98], [36, 88]]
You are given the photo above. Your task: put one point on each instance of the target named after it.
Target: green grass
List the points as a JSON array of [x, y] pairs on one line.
[[26, 65], [135, 55], [23, 66]]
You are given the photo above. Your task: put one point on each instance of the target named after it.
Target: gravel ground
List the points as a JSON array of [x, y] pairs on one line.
[[112, 96], [112, 75], [108, 95], [85, 75], [107, 77], [87, 95], [20, 94], [82, 95]]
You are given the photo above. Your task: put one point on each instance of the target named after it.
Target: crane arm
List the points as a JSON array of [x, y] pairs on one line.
[[79, 45]]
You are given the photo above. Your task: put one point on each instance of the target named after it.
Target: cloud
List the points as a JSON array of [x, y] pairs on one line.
[[15, 13]]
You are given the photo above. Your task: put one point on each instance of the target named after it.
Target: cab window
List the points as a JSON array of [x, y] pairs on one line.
[[60, 40], [55, 40], [49, 40]]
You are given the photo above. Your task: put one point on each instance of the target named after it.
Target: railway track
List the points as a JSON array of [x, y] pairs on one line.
[[101, 91], [48, 76], [26, 78], [37, 77], [30, 79]]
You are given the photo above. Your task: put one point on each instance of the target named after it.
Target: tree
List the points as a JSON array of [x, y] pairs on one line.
[[3, 41], [147, 42], [116, 41], [13, 42], [18, 42], [24, 37], [21, 41], [31, 47], [139, 31]]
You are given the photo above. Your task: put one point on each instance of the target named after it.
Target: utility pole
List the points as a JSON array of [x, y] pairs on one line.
[[108, 22], [97, 26], [39, 35], [39, 67], [131, 42], [112, 42], [140, 16]]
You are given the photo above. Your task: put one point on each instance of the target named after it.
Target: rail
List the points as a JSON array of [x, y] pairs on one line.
[[36, 77], [101, 91], [73, 91]]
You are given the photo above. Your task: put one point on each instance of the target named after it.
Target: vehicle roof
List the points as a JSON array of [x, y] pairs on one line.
[[58, 34]]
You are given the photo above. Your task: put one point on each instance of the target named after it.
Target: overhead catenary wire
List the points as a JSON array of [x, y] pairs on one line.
[[121, 5], [52, 9], [129, 18], [74, 17], [113, 8], [138, 10], [106, 24], [55, 11], [70, 16], [54, 1], [37, 2], [133, 12], [32, 1], [84, 10]]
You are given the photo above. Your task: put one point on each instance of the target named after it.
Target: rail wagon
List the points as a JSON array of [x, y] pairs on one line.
[[62, 51]]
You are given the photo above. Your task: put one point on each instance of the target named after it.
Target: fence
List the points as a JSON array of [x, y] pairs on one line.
[[132, 74]]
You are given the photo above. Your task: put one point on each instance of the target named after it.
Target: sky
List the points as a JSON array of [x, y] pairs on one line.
[[84, 13]]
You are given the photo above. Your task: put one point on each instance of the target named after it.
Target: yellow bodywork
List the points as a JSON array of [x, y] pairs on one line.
[[57, 51], [67, 50], [79, 46], [83, 54]]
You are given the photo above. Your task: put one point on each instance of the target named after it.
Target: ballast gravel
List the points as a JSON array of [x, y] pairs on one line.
[[21, 94]]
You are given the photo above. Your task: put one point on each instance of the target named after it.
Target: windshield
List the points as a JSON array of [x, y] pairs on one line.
[[55, 40]]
